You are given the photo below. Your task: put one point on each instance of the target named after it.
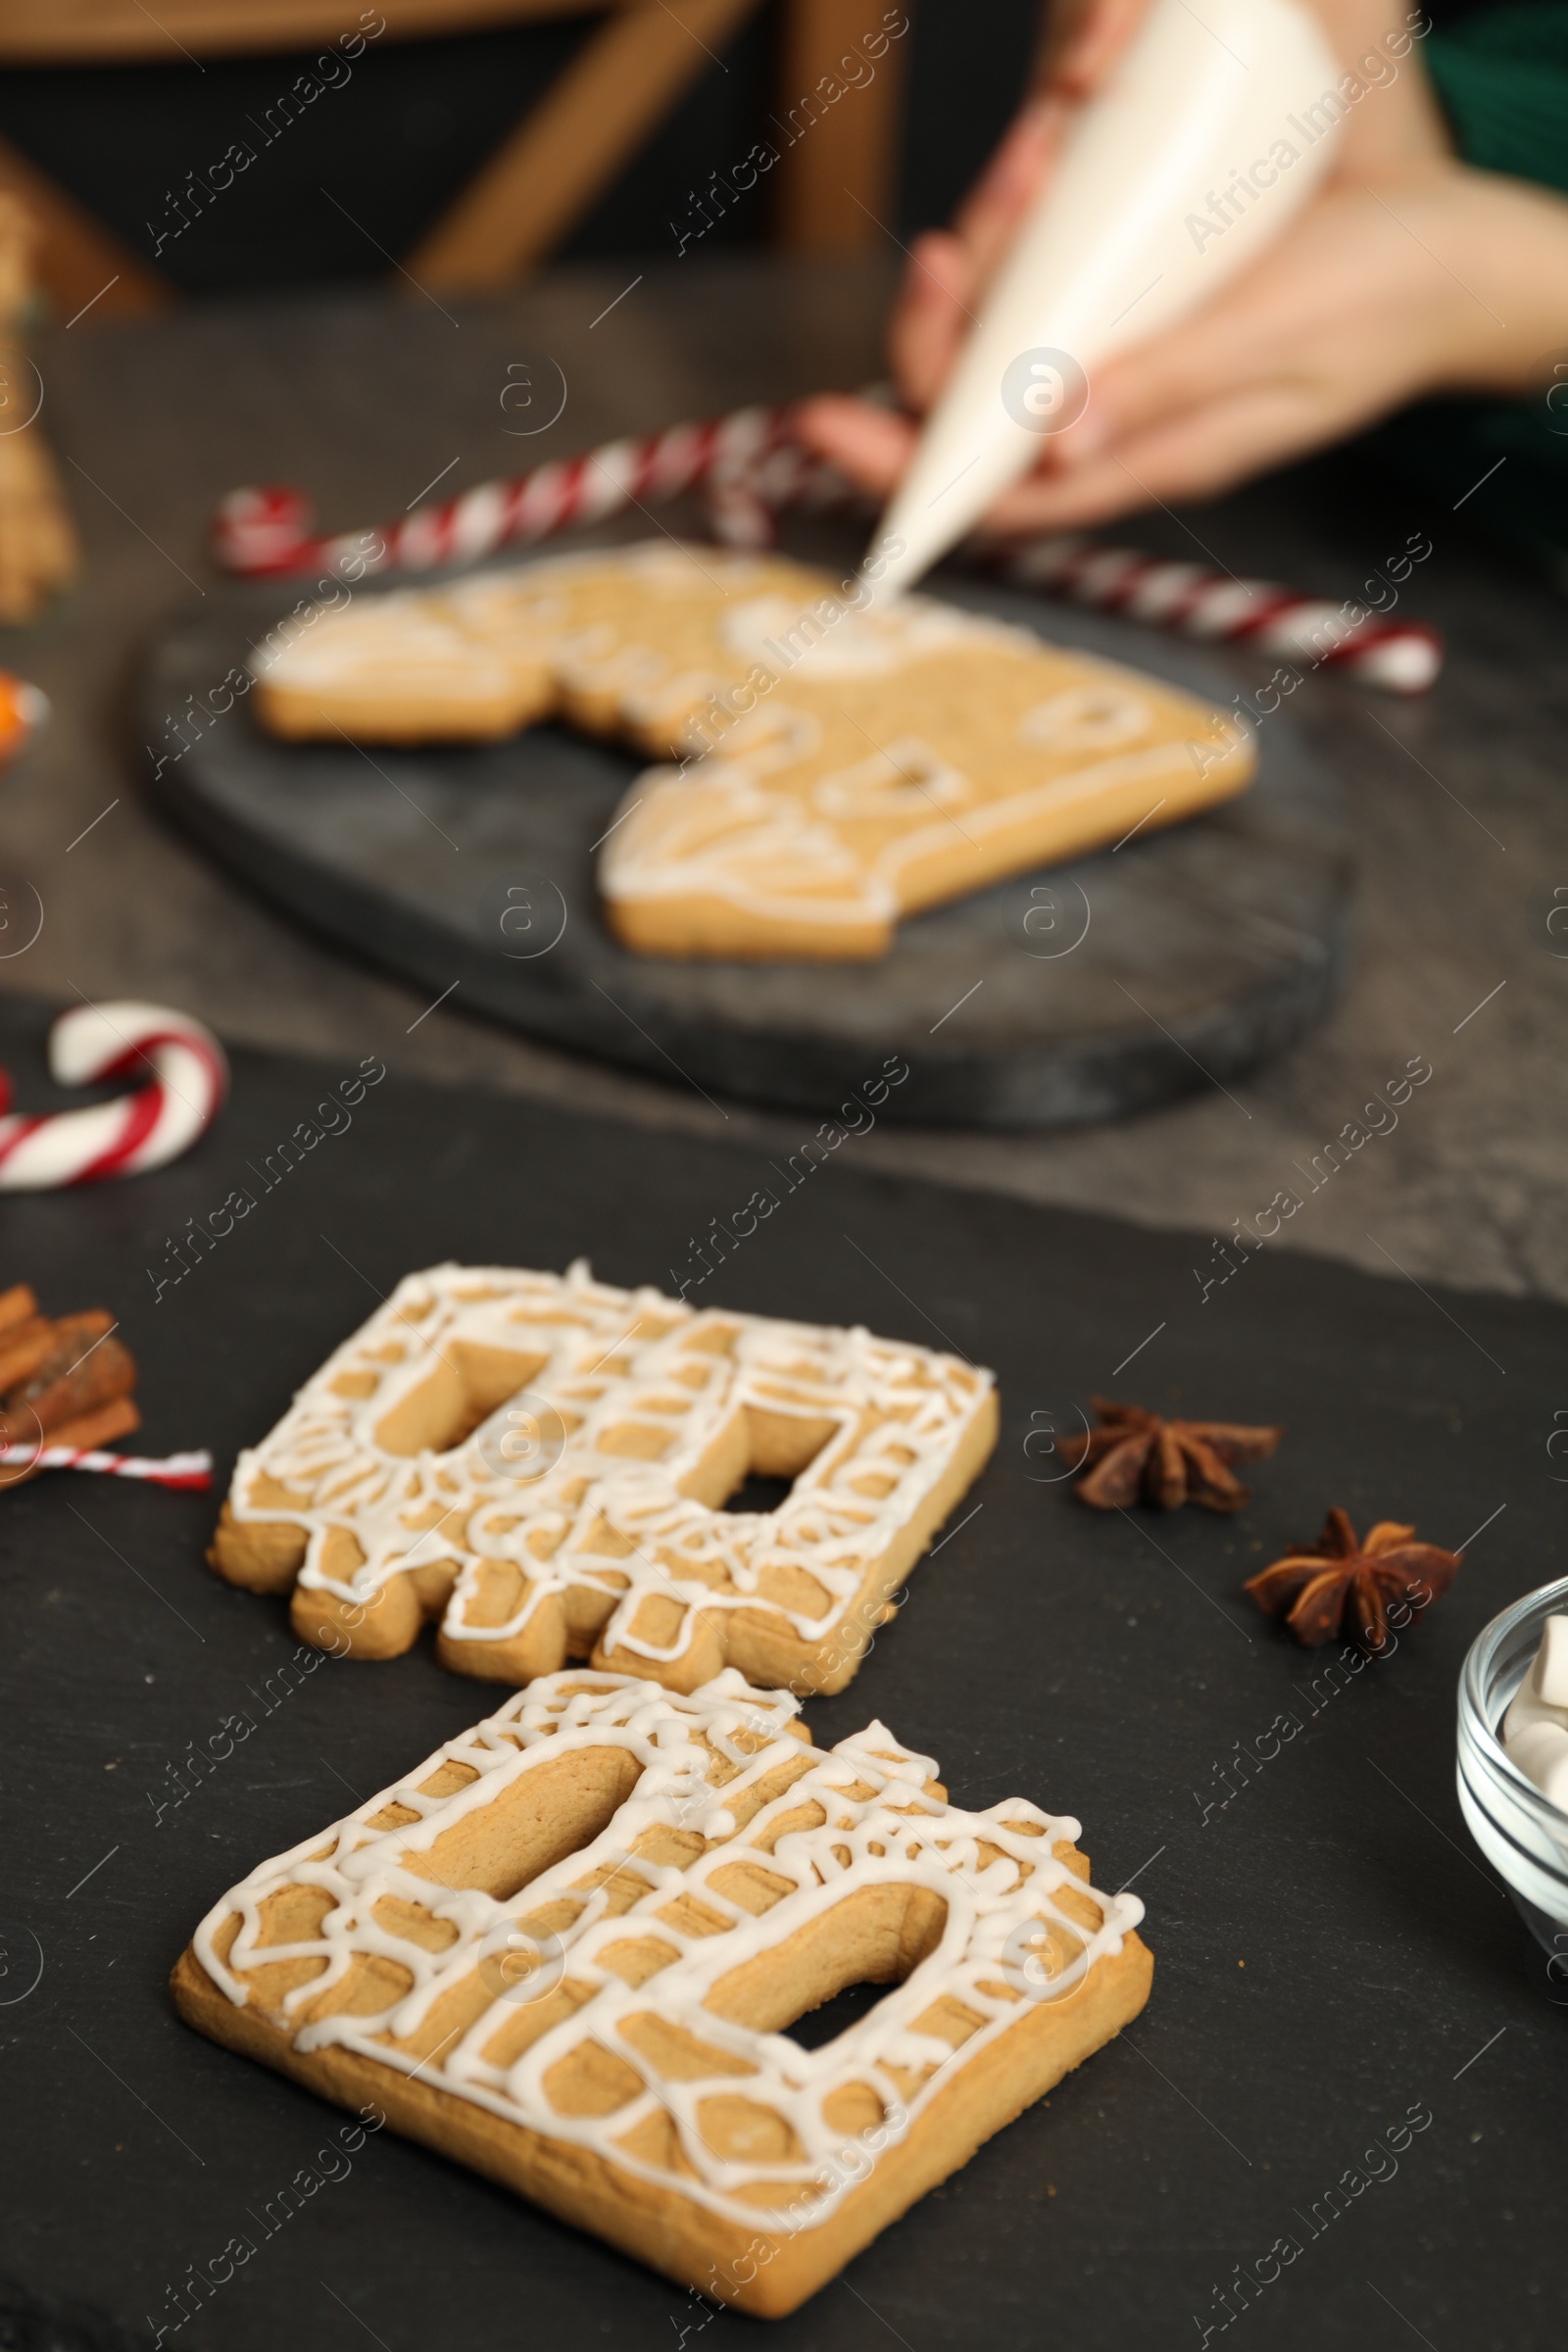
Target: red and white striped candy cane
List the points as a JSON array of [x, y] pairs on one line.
[[192, 1472], [1403, 656], [45, 1151], [258, 531], [751, 469]]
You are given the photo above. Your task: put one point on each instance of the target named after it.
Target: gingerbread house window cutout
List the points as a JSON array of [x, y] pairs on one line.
[[542, 1462], [569, 1947]]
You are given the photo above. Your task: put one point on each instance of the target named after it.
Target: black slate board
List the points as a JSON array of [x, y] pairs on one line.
[[1077, 993], [1330, 1950]]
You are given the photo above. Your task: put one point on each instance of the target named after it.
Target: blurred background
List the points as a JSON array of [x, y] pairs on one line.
[[535, 167], [591, 131], [107, 103]]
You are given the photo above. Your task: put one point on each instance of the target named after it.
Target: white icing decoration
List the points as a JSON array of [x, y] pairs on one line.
[[720, 832], [773, 736], [1085, 719], [731, 828], [619, 1370], [407, 636], [759, 850], [898, 1833], [904, 778], [468, 636], [794, 638]]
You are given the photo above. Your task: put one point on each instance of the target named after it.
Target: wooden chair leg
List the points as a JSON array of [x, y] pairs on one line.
[[38, 543], [573, 143], [77, 262], [840, 104]]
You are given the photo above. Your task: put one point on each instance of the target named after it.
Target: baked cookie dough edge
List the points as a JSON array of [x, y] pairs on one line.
[[669, 2232], [265, 1557]]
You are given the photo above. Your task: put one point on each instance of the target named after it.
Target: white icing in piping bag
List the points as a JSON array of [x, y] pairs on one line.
[[1200, 148]]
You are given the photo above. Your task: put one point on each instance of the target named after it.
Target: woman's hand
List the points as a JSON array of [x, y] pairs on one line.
[[1406, 272]]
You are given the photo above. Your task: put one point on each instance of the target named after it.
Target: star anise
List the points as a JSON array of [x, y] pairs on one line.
[[1312, 1587], [1133, 1453]]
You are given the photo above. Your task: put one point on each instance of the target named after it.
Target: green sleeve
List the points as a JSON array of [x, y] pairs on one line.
[[1502, 81]]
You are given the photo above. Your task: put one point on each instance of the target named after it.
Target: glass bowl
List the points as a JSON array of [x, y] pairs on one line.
[[1523, 1835]]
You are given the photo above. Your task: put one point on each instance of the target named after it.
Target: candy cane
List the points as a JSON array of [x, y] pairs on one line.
[[1403, 656], [41, 1151], [192, 1472], [257, 531], [750, 470]]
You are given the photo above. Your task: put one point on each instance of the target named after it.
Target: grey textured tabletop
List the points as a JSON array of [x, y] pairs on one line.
[[1460, 805]]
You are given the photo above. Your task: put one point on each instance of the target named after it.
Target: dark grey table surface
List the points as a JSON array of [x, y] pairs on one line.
[[1333, 1960], [1342, 2014], [364, 399]]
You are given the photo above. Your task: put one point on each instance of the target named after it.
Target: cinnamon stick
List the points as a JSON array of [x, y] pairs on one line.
[[81, 1368]]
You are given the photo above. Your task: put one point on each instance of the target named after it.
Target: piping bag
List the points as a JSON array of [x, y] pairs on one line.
[[1214, 128]]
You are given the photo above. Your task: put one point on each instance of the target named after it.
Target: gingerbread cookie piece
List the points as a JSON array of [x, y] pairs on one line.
[[541, 1461], [569, 1947], [875, 763], [626, 641], [855, 762]]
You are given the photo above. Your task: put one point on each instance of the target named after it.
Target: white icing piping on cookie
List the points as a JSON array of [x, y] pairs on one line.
[[859, 643], [610, 1521], [768, 853], [521, 615], [898, 1834], [772, 834]]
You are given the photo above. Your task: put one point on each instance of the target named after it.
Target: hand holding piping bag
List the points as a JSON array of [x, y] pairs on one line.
[[1406, 273]]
